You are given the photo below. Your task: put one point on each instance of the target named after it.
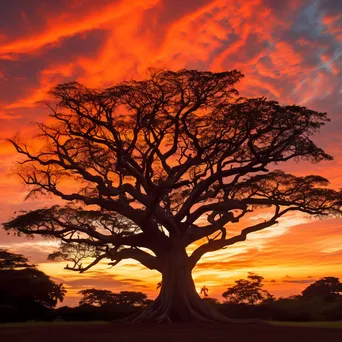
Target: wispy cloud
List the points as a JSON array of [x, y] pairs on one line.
[[288, 50]]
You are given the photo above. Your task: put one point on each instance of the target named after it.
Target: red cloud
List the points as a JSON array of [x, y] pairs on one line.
[[288, 50]]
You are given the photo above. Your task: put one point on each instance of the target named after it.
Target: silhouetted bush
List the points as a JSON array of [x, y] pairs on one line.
[[332, 311], [289, 309], [26, 293], [244, 311], [88, 312], [9, 313], [211, 301]]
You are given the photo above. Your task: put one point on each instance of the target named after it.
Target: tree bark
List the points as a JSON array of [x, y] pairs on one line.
[[178, 300]]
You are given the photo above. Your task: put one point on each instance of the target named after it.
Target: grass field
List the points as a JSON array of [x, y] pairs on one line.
[[335, 325], [125, 332], [45, 324]]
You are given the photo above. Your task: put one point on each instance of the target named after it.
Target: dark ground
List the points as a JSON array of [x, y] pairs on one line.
[[124, 332]]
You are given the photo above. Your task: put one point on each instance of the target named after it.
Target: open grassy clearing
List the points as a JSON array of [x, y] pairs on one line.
[[54, 323], [336, 325], [126, 332]]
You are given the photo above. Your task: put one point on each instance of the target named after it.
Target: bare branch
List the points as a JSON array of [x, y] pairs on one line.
[[144, 163]]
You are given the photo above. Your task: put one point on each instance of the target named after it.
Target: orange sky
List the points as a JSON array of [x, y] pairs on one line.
[[290, 51]]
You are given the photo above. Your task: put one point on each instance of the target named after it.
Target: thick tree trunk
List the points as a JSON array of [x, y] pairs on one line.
[[178, 300]]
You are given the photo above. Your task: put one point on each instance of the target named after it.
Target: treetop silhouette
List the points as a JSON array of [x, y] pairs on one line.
[[99, 297], [204, 291], [26, 287], [11, 262], [328, 288], [147, 168], [247, 291]]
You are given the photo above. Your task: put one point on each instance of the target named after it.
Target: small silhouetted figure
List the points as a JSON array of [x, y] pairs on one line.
[[204, 291]]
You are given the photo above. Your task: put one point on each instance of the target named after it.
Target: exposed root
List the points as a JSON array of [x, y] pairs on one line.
[[194, 311], [178, 300], [160, 313]]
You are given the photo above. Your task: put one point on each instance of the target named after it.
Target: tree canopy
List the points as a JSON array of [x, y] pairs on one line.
[[147, 168], [248, 291], [328, 288], [98, 297], [23, 285], [10, 261]]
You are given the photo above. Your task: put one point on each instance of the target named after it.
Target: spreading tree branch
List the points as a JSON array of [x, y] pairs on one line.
[[166, 162]]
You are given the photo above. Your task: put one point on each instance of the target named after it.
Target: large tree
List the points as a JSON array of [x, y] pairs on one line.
[[327, 288], [148, 168]]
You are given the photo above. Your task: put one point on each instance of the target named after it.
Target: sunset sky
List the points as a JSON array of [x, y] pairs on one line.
[[289, 50]]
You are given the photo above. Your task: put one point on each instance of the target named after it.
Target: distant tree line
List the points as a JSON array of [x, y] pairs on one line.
[[322, 300], [97, 304], [27, 293]]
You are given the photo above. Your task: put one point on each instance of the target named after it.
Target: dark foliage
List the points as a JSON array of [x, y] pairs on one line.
[[105, 297], [248, 291], [328, 288], [320, 301], [104, 305], [96, 297], [211, 301], [25, 292], [88, 312]]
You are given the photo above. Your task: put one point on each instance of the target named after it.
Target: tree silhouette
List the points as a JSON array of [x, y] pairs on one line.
[[131, 298], [147, 168], [10, 261], [59, 292], [211, 301], [26, 288], [98, 297], [328, 288], [247, 291], [204, 291]]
